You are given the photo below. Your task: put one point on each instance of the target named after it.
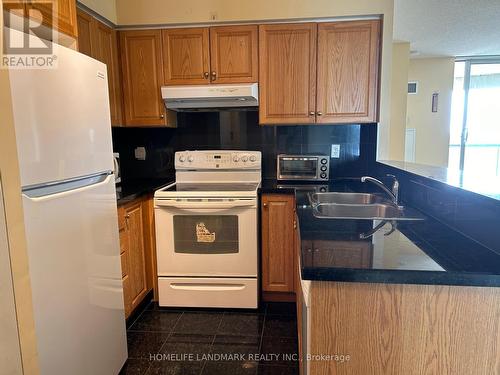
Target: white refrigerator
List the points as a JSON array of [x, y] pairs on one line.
[[63, 135]]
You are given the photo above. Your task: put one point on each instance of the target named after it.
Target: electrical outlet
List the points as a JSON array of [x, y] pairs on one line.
[[335, 151], [213, 16], [140, 153]]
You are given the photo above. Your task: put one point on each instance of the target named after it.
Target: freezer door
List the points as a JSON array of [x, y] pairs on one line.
[[62, 118], [74, 260]]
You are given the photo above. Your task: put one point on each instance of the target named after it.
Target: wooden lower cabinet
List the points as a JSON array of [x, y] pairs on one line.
[[278, 237], [137, 251]]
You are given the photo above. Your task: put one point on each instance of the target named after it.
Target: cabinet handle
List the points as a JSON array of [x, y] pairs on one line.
[[127, 216], [162, 116], [311, 113], [264, 204], [309, 250], [316, 250], [205, 75], [214, 76], [294, 224], [319, 113]]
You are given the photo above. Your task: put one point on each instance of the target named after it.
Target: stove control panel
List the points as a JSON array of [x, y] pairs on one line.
[[224, 159]]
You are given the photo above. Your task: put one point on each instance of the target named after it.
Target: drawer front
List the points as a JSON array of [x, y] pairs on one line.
[[127, 295], [207, 292], [124, 259], [121, 218], [124, 239]]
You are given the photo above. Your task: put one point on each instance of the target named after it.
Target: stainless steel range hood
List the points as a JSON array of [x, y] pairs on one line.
[[181, 98]]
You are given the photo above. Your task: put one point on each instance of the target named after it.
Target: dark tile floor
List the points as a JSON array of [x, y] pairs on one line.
[[213, 341]]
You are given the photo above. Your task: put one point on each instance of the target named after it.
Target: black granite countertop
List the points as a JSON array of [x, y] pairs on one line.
[[129, 190], [416, 252], [474, 181]]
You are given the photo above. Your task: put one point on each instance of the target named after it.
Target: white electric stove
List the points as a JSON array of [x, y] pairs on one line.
[[206, 230]]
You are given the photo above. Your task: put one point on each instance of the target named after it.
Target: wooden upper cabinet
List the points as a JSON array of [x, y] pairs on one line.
[[142, 71], [348, 69], [234, 54], [287, 73], [278, 236], [84, 22], [65, 15], [100, 41], [186, 56], [105, 49]]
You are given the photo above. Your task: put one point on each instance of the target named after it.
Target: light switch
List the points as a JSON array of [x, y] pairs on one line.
[[140, 153], [335, 151]]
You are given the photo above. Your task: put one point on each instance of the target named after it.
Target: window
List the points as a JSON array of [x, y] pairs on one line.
[[475, 117]]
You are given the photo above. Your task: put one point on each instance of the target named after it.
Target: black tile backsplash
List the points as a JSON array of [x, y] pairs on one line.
[[239, 130]]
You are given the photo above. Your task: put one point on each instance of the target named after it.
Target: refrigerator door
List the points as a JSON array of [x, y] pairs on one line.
[[62, 118], [74, 260]]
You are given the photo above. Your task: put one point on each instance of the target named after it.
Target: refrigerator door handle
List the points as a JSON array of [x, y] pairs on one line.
[[53, 191]]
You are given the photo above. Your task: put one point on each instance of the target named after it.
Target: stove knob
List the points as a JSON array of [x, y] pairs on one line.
[[324, 161], [253, 158], [236, 158], [190, 159], [182, 158], [322, 189], [244, 158], [323, 175], [323, 168]]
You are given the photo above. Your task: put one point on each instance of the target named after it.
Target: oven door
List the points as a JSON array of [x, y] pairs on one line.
[[206, 237]]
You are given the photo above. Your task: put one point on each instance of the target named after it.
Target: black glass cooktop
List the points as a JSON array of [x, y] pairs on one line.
[[186, 187]]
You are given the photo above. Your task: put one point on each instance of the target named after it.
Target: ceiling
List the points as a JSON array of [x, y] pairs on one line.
[[448, 27]]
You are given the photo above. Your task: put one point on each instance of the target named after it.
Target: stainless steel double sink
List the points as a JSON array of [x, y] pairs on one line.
[[359, 206]]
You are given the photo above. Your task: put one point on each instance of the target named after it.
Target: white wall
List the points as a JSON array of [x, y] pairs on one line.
[[106, 8], [399, 88], [432, 129]]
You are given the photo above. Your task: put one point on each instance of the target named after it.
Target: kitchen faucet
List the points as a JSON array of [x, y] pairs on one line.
[[393, 193]]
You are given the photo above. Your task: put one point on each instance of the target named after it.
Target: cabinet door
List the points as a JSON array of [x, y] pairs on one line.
[[136, 257], [185, 53], [105, 49], [348, 69], [142, 77], [64, 12], [84, 21], [234, 54], [278, 212], [287, 73]]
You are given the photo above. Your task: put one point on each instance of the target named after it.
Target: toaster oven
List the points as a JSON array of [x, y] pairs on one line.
[[303, 167]]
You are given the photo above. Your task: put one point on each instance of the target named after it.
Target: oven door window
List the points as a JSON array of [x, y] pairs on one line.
[[206, 234], [302, 168]]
